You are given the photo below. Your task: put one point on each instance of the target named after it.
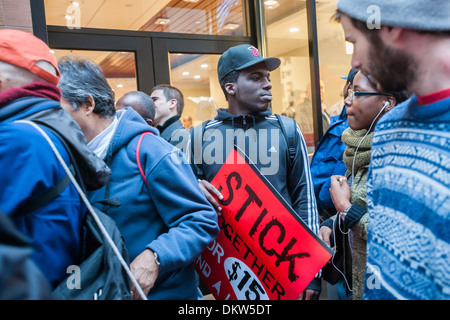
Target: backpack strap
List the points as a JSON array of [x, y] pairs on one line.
[[197, 148], [32, 205], [138, 156], [289, 130], [90, 208]]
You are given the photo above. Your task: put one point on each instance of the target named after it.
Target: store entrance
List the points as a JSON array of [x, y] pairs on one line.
[[140, 61]]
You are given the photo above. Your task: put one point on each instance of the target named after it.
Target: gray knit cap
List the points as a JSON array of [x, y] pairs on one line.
[[431, 15]]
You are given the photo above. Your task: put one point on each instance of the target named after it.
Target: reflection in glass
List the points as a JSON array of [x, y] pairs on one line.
[[335, 58], [213, 17], [195, 75], [118, 67], [287, 39]]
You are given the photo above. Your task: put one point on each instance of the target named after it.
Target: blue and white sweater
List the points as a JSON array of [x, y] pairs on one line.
[[408, 188]]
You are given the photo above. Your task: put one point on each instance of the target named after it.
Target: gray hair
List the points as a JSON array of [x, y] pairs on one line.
[[81, 78]]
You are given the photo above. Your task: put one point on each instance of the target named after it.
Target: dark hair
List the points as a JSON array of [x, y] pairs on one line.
[[143, 105], [229, 78], [171, 92], [400, 96], [81, 78]]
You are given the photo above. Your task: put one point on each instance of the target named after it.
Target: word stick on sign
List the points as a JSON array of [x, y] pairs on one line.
[[264, 251]]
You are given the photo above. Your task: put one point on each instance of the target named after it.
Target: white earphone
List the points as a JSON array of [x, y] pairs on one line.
[[386, 104]]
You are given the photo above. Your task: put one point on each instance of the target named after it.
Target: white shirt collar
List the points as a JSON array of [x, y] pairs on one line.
[[99, 145]]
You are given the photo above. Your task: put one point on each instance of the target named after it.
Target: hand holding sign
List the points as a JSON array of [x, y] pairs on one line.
[[264, 250], [209, 190]]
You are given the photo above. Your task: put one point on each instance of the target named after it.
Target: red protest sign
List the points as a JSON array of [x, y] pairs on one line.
[[264, 250]]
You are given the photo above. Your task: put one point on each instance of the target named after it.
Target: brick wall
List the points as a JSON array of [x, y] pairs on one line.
[[16, 14]]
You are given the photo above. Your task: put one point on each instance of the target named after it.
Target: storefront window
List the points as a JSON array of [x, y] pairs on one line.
[[196, 77], [118, 67], [287, 39], [334, 56], [212, 17]]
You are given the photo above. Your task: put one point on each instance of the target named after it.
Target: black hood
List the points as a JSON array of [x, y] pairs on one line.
[[242, 120], [94, 172]]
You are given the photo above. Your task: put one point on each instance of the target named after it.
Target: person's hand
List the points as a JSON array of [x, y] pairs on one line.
[[145, 269], [325, 235], [209, 190], [309, 294], [340, 192]]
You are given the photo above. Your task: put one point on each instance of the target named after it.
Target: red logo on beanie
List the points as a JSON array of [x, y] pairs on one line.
[[254, 51]]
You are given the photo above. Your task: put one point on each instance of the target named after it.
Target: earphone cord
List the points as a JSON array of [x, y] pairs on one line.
[[368, 131], [339, 218], [332, 258]]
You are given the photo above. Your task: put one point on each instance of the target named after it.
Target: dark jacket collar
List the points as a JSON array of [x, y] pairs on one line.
[[241, 120], [168, 122]]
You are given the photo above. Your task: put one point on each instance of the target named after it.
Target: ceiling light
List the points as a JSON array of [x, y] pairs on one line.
[[231, 26], [271, 4], [197, 76], [190, 0], [204, 66], [186, 73], [162, 21], [120, 85], [294, 29]]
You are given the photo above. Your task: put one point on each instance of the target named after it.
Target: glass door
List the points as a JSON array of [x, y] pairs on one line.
[[196, 77], [119, 67]]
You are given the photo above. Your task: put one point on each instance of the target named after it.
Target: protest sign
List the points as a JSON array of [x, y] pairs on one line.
[[264, 250]]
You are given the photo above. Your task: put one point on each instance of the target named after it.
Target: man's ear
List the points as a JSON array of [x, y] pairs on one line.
[[230, 88], [89, 105], [392, 36], [173, 104]]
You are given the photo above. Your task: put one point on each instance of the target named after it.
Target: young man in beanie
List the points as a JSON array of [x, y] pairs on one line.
[[405, 44], [51, 219], [245, 80]]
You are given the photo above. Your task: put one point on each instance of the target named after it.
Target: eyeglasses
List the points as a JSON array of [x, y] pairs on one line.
[[352, 94]]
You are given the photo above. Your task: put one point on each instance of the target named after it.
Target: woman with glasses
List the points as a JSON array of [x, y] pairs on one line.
[[365, 106]]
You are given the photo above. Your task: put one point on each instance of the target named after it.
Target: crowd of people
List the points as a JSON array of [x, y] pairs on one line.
[[377, 189]]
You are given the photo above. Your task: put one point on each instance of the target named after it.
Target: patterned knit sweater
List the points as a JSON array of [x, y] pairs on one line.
[[408, 197]]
